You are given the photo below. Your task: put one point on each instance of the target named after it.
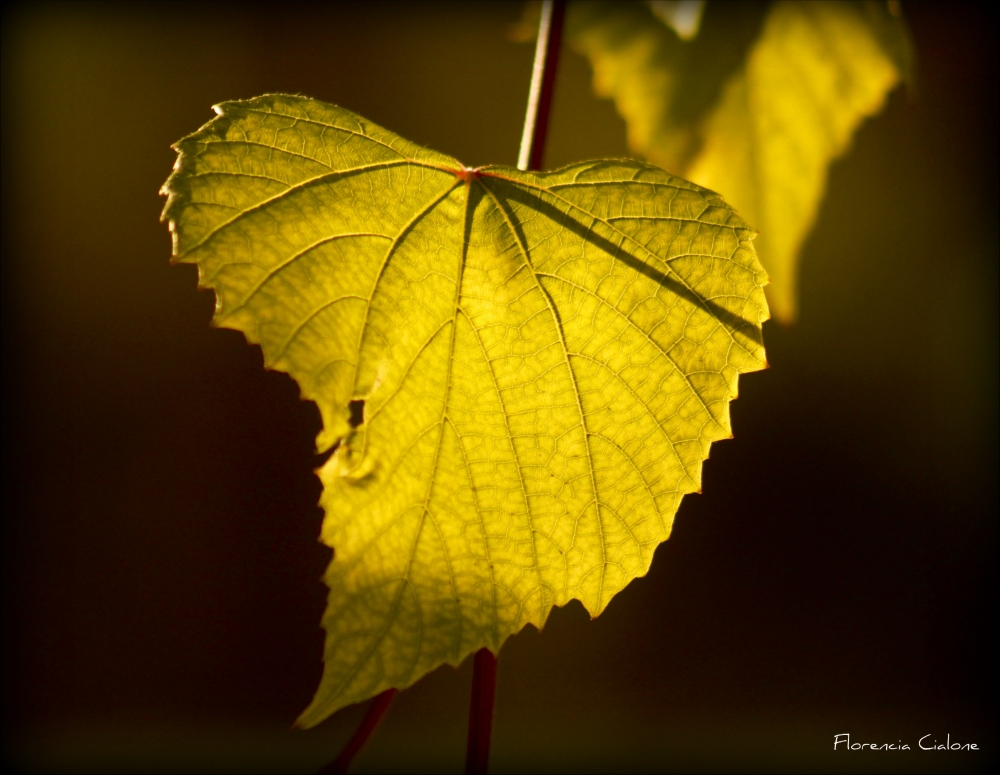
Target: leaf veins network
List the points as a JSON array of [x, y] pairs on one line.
[[519, 373]]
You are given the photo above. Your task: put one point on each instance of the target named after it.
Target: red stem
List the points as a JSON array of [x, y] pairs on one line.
[[536, 125], [543, 79], [484, 684], [361, 735]]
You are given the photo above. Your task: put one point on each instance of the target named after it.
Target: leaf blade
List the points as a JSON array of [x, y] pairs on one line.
[[763, 130], [544, 360], [817, 71]]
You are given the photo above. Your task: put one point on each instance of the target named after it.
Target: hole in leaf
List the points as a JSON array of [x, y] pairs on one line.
[[357, 410]]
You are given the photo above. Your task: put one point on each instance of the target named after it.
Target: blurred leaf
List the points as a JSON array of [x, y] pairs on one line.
[[519, 373], [756, 106]]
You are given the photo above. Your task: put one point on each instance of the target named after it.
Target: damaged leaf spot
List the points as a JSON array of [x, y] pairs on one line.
[[357, 412]]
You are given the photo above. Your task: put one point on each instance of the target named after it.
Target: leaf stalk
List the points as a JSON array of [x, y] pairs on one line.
[[536, 125], [484, 683], [543, 78], [361, 735]]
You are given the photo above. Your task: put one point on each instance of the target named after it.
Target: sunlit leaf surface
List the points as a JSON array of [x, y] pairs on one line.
[[757, 105], [519, 374]]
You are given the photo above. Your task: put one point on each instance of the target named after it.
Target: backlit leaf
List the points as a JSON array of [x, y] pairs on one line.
[[519, 374], [756, 106]]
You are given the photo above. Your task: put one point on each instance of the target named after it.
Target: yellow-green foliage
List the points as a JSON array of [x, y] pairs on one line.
[[543, 361], [756, 105]]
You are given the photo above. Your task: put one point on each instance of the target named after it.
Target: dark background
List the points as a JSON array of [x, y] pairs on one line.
[[161, 592]]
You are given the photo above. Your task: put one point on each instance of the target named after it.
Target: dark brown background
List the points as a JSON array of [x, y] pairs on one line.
[[161, 572]]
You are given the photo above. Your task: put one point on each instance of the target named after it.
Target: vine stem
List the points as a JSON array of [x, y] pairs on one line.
[[536, 125], [543, 79], [361, 734], [484, 686]]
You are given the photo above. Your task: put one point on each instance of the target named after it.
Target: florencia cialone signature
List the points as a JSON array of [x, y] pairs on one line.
[[929, 742]]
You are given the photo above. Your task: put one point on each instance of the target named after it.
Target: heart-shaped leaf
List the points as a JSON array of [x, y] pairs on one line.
[[519, 374]]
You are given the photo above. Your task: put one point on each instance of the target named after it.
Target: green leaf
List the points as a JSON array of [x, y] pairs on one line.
[[519, 373], [756, 106]]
